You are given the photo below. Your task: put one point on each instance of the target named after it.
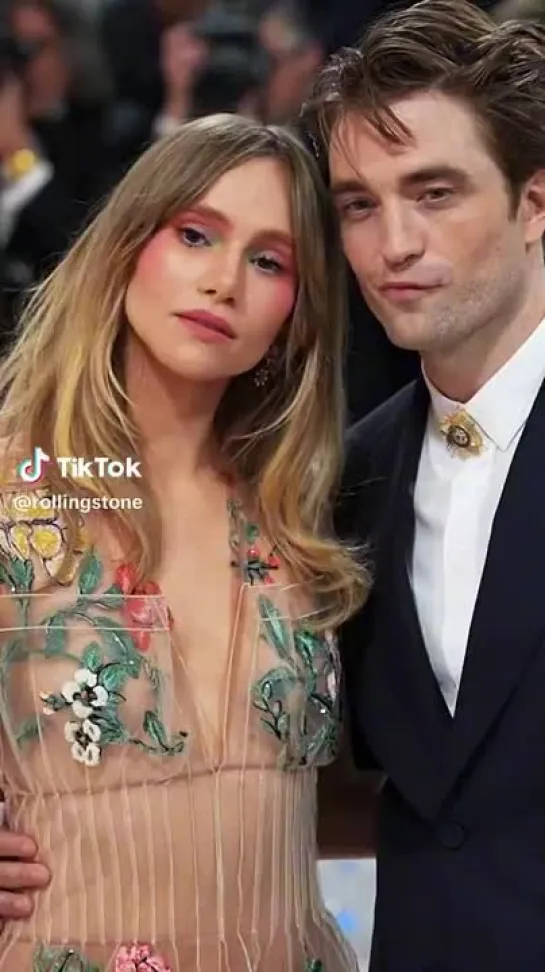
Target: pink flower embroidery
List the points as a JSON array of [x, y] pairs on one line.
[[140, 958], [140, 611]]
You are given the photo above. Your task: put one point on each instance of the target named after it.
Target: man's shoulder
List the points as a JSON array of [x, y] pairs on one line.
[[377, 434]]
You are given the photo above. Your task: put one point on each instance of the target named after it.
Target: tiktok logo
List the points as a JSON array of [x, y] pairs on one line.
[[31, 470]]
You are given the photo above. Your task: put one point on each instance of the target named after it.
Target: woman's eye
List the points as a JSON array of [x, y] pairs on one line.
[[269, 264], [192, 237]]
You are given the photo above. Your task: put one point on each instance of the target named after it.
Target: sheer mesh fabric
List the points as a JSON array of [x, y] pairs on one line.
[[191, 830]]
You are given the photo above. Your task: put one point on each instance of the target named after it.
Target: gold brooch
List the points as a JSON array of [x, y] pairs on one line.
[[462, 434]]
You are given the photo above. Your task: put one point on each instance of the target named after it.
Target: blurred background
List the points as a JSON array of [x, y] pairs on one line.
[[87, 85]]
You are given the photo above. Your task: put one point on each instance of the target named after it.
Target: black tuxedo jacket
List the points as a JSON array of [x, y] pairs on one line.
[[461, 858]]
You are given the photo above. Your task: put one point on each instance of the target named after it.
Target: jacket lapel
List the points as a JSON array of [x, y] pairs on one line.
[[509, 618]]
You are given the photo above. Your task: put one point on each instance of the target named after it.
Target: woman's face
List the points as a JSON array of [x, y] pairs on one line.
[[212, 289]]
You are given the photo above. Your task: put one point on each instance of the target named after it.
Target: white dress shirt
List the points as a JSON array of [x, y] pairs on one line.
[[455, 502]]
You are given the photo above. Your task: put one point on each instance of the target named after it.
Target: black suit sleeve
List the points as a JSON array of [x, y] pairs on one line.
[[370, 449]]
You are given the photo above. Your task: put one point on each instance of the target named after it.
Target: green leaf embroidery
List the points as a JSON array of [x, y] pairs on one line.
[[56, 636], [90, 573], [113, 677], [251, 532], [92, 657], [119, 644], [15, 651], [276, 684], [308, 645], [61, 960], [22, 574], [274, 628], [154, 728], [111, 598], [112, 729], [4, 574], [29, 730], [314, 965], [312, 662]]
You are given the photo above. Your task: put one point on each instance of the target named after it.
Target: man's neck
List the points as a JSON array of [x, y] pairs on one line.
[[461, 371]]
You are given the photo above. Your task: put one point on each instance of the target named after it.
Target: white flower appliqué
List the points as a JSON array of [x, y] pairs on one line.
[[84, 694], [84, 737]]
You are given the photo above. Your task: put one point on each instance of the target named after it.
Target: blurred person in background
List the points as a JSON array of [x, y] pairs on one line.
[[296, 55], [52, 149], [210, 63], [130, 31]]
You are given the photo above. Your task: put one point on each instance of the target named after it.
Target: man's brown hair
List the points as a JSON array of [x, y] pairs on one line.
[[452, 47]]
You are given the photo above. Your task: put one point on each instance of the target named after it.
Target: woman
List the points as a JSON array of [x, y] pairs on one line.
[[169, 678]]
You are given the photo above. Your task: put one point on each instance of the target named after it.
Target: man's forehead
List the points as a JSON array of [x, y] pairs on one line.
[[358, 149]]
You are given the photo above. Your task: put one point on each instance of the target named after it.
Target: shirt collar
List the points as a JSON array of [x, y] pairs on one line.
[[500, 408]]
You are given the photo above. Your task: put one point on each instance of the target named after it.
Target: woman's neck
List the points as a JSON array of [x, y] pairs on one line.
[[174, 416]]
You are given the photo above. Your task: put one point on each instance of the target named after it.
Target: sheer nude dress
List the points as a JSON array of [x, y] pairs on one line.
[[181, 838]]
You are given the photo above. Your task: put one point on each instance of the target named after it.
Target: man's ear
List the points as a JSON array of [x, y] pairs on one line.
[[532, 207]]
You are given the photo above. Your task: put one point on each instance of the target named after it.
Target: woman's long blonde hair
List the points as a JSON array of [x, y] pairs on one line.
[[62, 385]]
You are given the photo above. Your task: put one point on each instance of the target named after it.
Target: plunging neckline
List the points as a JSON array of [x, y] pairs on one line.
[[249, 569]]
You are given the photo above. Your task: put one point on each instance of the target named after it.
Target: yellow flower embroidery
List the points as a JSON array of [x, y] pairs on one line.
[[37, 530]]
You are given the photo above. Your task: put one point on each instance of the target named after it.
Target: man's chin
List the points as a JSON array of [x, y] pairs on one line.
[[408, 335]]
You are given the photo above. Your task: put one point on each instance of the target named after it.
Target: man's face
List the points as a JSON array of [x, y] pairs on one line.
[[428, 226]]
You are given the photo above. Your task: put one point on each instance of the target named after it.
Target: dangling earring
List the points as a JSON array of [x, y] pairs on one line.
[[267, 368]]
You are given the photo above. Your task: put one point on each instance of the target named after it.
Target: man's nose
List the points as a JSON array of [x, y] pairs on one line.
[[403, 237]]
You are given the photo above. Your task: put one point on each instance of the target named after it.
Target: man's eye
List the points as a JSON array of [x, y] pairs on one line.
[[355, 207], [438, 194]]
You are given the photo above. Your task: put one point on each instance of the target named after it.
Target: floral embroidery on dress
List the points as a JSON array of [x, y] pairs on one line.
[[129, 958], [36, 529], [138, 609], [113, 656], [247, 555], [140, 958], [61, 960], [299, 697], [95, 693]]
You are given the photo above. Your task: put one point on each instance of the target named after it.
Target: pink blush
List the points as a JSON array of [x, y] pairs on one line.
[[153, 257], [282, 296]]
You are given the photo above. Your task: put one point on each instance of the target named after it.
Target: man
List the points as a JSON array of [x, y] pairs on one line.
[[434, 128]]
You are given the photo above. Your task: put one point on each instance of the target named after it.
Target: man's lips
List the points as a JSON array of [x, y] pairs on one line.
[[210, 321], [407, 290]]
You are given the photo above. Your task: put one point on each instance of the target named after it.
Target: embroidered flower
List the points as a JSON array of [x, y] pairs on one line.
[[256, 568], [38, 530], [140, 958], [47, 707], [84, 694], [126, 578], [84, 737], [142, 608]]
